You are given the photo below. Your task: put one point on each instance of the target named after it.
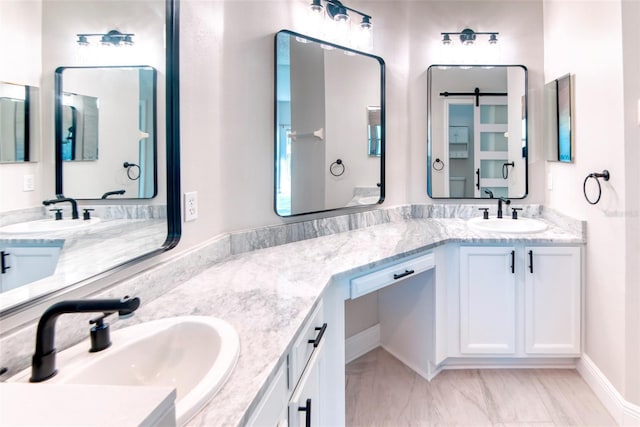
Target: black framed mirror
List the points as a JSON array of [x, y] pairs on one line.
[[477, 131], [328, 153], [106, 128], [19, 120], [120, 232]]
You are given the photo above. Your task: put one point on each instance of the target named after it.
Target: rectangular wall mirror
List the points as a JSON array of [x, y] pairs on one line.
[[477, 131], [101, 113], [18, 122], [329, 101], [557, 108], [106, 128]]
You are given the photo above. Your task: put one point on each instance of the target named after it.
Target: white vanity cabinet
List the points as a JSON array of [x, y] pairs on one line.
[[522, 301], [487, 300], [21, 264], [308, 387], [552, 297]]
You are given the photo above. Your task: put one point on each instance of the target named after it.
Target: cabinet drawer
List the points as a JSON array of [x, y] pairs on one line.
[[372, 282], [306, 343]]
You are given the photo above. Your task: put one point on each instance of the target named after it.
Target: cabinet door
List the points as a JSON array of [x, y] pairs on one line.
[[305, 406], [26, 264], [272, 409], [487, 300], [552, 300]]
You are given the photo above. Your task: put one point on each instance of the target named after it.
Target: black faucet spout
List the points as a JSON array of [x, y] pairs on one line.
[[43, 364], [60, 199], [506, 202]]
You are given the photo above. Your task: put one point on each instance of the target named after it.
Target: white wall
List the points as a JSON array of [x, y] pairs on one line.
[[606, 137], [20, 29], [227, 96]]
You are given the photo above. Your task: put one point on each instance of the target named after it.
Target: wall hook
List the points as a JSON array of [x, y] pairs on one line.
[[337, 168], [505, 169], [438, 164], [594, 175]]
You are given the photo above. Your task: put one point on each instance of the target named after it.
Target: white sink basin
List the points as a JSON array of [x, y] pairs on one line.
[[48, 225], [507, 225], [194, 354]]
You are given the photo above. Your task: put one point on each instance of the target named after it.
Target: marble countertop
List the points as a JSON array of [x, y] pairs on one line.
[[86, 252], [267, 294]]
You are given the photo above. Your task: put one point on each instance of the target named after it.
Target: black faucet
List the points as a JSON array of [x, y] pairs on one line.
[[43, 363], [112, 193], [490, 193], [60, 198], [500, 200]]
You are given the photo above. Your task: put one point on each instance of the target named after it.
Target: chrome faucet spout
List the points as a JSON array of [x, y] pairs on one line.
[[43, 364]]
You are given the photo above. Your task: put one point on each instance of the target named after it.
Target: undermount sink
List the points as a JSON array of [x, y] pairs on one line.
[[193, 354], [48, 225], [507, 225]]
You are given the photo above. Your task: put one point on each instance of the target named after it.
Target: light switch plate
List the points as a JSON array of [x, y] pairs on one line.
[[190, 206], [28, 183]]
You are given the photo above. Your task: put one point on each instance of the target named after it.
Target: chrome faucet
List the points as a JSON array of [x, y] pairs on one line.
[[43, 363], [506, 202], [60, 198]]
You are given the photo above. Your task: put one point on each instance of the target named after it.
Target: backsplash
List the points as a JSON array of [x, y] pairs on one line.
[[102, 211], [16, 347]]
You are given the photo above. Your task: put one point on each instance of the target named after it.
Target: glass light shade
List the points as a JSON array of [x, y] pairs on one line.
[[315, 18], [364, 35]]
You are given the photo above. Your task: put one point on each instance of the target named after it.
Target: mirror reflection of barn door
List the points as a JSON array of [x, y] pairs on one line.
[[491, 146], [459, 143]]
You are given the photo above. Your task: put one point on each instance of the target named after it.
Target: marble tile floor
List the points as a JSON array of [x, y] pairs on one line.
[[381, 391]]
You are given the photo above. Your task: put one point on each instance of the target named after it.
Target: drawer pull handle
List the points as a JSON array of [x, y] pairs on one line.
[[531, 261], [513, 262], [3, 262], [401, 275], [306, 409], [316, 342]]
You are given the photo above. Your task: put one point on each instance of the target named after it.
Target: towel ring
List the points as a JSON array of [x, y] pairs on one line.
[[505, 169], [604, 175], [337, 168], [440, 164], [129, 166]]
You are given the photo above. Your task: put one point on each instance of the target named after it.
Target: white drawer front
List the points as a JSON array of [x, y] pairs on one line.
[[372, 282], [304, 346]]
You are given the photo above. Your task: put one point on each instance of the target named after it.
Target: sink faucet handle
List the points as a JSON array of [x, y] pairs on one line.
[[485, 214], [86, 214], [514, 212], [58, 214], [100, 338]]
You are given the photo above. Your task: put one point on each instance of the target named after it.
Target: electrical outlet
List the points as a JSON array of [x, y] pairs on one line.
[[190, 206], [28, 183]]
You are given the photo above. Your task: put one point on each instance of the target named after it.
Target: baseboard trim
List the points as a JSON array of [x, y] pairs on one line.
[[625, 413], [362, 343]]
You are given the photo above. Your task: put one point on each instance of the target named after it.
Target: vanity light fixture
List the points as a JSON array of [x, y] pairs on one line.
[[465, 48], [112, 38], [332, 20], [468, 36]]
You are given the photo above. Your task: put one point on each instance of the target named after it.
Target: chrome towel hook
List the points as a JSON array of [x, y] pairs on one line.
[[604, 175]]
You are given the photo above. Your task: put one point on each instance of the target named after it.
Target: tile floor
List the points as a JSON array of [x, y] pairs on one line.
[[381, 391]]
